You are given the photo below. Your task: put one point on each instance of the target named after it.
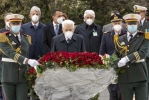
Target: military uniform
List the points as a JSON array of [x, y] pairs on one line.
[[143, 27], [14, 53], [132, 52], [108, 47]]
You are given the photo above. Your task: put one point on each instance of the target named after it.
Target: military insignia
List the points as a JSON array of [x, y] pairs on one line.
[[115, 17], [9, 34], [122, 43], [132, 15], [13, 43], [15, 16]]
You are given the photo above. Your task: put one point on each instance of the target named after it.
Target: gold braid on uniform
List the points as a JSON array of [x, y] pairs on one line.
[[136, 56], [123, 48], [29, 39], [16, 57]]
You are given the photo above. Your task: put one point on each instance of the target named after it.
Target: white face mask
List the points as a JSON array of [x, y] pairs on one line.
[[7, 24], [68, 34], [60, 20], [117, 27], [89, 21], [35, 18]]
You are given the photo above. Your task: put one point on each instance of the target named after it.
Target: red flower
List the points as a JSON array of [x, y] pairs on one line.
[[32, 70]]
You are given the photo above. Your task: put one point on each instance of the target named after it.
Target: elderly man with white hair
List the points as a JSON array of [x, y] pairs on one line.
[[91, 32], [68, 41], [34, 28]]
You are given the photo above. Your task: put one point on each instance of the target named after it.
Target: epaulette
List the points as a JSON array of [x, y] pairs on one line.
[[3, 37], [28, 37], [140, 32]]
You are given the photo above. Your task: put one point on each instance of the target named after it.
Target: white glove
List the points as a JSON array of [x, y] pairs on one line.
[[123, 61], [33, 62]]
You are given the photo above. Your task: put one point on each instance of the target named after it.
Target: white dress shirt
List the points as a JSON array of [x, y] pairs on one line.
[[54, 25], [142, 21], [19, 36], [35, 24], [128, 35]]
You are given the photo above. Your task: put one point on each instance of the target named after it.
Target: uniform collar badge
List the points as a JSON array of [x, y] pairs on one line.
[[13, 43], [122, 43]]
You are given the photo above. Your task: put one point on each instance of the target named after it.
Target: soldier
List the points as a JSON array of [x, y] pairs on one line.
[[132, 49], [143, 26], [107, 47], [14, 47], [143, 23]]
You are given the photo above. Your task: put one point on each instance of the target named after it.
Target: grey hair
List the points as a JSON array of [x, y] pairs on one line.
[[36, 9], [90, 12], [67, 22]]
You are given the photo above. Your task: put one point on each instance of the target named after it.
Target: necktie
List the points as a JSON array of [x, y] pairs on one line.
[[18, 39], [131, 37], [56, 29], [35, 27]]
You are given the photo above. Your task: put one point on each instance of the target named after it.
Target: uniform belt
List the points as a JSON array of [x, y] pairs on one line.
[[142, 60], [8, 60]]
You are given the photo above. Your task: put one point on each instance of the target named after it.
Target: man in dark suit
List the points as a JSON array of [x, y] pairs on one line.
[[35, 30], [51, 30], [6, 20], [107, 47], [68, 41], [91, 32]]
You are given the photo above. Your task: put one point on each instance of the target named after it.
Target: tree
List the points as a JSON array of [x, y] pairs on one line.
[[73, 8]]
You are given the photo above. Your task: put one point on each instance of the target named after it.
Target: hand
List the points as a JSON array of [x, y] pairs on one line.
[[123, 62], [33, 62]]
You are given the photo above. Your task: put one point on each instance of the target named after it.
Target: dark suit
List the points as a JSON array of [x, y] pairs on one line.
[[35, 50], [135, 76], [92, 41], [76, 44], [48, 34]]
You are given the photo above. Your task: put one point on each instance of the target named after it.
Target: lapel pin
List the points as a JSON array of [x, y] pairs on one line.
[[122, 43], [13, 43], [9, 34]]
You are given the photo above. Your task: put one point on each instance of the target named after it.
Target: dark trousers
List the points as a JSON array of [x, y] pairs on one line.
[[15, 91], [114, 92], [140, 89]]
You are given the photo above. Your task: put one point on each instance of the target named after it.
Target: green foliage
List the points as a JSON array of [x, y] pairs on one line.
[[73, 8], [95, 97]]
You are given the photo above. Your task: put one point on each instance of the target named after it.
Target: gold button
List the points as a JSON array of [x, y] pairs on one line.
[[19, 68], [128, 66], [127, 50]]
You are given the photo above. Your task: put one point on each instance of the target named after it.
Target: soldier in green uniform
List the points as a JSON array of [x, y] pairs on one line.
[[143, 27], [14, 47], [132, 49]]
